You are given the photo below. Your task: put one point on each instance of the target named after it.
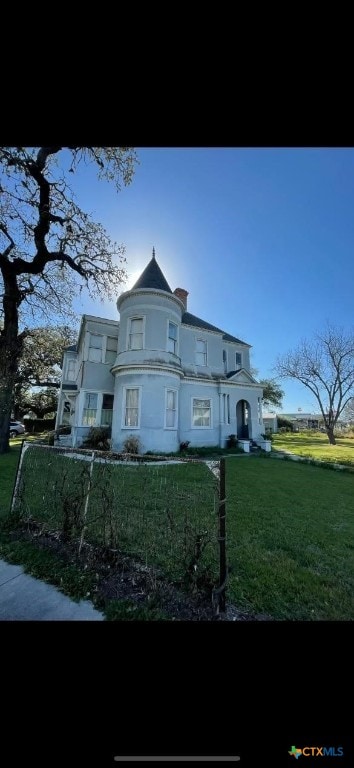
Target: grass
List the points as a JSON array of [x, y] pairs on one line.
[[155, 520], [316, 446], [51, 568], [290, 536], [127, 610], [46, 565], [8, 466], [153, 513], [290, 539]]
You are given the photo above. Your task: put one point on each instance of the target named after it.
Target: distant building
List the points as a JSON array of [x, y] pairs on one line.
[[270, 421], [302, 420]]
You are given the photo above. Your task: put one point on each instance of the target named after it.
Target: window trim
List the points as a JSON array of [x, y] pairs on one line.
[[83, 409], [106, 409], [203, 365], [225, 408], [193, 397], [70, 361], [171, 389], [99, 408], [106, 362], [168, 337], [130, 318], [102, 336], [241, 365], [124, 426]]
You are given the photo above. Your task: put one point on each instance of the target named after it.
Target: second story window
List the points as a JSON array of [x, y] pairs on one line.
[[238, 361], [224, 360], [172, 338], [95, 348], [71, 370], [201, 352], [111, 350], [136, 333]]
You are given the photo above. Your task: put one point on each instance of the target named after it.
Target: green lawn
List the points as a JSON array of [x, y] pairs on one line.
[[156, 513], [316, 445], [290, 539], [290, 530], [8, 465]]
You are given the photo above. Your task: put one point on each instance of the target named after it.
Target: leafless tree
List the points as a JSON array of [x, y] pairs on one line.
[[325, 366]]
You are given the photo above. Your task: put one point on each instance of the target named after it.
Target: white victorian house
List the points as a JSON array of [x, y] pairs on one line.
[[160, 373]]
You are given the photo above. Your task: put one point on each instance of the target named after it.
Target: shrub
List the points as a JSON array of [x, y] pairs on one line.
[[97, 438], [284, 425], [132, 444], [184, 446], [267, 436]]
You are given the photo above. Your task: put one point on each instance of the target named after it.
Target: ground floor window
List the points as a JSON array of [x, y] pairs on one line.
[[97, 409], [171, 409], [201, 413], [131, 408], [107, 410], [226, 409], [90, 409]]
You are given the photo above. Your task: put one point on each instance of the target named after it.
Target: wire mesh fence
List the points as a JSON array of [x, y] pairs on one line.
[[164, 515]]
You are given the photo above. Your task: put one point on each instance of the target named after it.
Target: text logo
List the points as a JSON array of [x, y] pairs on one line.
[[316, 752]]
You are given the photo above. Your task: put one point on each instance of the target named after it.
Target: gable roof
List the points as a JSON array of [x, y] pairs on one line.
[[152, 277], [197, 322], [242, 374]]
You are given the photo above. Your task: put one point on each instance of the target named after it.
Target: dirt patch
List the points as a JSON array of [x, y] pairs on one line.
[[118, 576]]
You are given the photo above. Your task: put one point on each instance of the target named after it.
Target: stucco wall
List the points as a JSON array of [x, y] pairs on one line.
[[97, 376], [152, 432]]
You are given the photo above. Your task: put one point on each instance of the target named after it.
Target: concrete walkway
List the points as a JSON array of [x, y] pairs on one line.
[[23, 598]]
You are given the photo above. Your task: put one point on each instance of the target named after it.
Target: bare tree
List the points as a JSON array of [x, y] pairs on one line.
[[326, 367], [348, 411], [50, 249]]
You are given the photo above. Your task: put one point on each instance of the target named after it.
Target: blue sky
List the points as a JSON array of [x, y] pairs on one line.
[[263, 239]]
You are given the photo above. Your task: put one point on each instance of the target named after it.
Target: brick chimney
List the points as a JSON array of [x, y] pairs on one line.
[[182, 295]]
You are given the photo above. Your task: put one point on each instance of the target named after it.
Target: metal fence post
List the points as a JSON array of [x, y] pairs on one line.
[[24, 446]]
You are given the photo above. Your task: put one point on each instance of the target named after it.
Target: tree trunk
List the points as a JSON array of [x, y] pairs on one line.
[[7, 383], [330, 435], [10, 351]]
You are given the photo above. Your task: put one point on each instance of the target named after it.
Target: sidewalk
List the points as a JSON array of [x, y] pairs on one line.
[[23, 598]]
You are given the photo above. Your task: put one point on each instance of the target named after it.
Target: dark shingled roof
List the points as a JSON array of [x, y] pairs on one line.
[[152, 277], [189, 319]]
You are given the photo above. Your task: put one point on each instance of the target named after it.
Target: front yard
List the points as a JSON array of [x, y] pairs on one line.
[[316, 446], [291, 539], [290, 534]]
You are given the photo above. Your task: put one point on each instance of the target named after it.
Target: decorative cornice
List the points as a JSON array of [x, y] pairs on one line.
[[222, 382], [198, 329], [149, 292], [145, 368]]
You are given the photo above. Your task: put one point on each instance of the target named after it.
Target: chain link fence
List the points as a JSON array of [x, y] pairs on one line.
[[164, 515]]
